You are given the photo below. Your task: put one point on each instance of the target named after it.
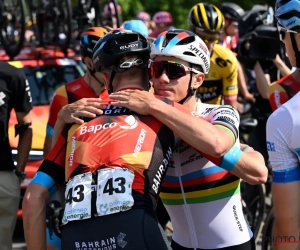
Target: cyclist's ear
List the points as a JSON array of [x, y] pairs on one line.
[[198, 80]]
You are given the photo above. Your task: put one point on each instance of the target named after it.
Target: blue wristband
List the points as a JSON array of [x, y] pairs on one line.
[[231, 158]]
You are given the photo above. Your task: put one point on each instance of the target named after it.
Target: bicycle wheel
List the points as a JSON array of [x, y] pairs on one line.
[[267, 231], [254, 205], [13, 26]]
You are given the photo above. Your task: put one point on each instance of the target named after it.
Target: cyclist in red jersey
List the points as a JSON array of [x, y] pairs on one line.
[[284, 89], [90, 85], [120, 155]]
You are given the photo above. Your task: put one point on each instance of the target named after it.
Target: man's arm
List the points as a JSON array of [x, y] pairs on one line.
[[242, 85], [25, 139], [22, 106], [59, 100], [286, 179], [34, 216], [262, 80], [284, 70]]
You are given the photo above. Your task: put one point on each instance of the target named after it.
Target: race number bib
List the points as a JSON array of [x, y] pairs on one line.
[[114, 190], [78, 198]]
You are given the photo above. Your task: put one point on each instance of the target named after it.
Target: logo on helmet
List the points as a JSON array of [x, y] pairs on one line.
[[203, 47], [290, 23], [129, 46], [96, 59], [199, 52]]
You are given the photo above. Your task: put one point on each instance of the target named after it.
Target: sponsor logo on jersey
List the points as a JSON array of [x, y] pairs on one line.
[[105, 244], [277, 98], [73, 147], [95, 128], [237, 218], [271, 146], [193, 157], [131, 123], [115, 110], [75, 87], [139, 143], [161, 171], [2, 96], [231, 87]]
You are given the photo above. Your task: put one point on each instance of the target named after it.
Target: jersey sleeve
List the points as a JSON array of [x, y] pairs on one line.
[[283, 158], [54, 164], [59, 100], [22, 94], [277, 95], [230, 80]]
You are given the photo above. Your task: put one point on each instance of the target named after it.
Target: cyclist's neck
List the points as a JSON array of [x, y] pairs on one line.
[[94, 84], [190, 103]]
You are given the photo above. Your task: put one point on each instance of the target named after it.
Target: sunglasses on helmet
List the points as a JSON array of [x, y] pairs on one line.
[[282, 32], [173, 70], [124, 66]]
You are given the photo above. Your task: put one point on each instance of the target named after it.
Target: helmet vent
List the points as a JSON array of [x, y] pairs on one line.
[[188, 53], [289, 15]]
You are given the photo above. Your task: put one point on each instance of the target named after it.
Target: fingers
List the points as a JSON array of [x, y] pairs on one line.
[[119, 103], [84, 113], [120, 97], [77, 120], [91, 109], [96, 100]]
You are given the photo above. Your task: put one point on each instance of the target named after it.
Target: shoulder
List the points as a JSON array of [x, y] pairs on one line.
[[223, 56], [8, 70], [220, 113]]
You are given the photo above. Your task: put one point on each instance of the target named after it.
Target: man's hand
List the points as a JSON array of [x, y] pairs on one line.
[[86, 107], [135, 100], [249, 97]]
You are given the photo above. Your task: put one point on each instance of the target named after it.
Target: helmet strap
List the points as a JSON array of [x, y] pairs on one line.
[[111, 79], [93, 72], [296, 50], [191, 91]]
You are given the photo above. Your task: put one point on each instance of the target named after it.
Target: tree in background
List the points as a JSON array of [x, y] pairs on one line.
[[178, 8]]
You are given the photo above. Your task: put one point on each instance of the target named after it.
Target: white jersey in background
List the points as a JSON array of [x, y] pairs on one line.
[[202, 199], [283, 141]]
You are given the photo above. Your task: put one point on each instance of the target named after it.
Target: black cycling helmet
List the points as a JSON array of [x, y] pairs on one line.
[[232, 11], [110, 49], [206, 17], [90, 37]]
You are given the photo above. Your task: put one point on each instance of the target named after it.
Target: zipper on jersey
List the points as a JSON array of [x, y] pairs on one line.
[[186, 206]]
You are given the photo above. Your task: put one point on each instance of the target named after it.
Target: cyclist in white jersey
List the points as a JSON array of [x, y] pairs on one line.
[[214, 220], [202, 199], [283, 140]]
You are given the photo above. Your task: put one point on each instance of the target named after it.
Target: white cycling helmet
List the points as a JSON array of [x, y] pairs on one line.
[[182, 44]]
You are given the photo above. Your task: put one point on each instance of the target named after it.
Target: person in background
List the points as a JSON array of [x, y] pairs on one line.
[[163, 21], [146, 18], [109, 12], [283, 140], [136, 25], [229, 39], [14, 94]]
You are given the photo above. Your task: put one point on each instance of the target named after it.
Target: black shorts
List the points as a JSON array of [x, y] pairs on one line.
[[135, 229], [249, 245]]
